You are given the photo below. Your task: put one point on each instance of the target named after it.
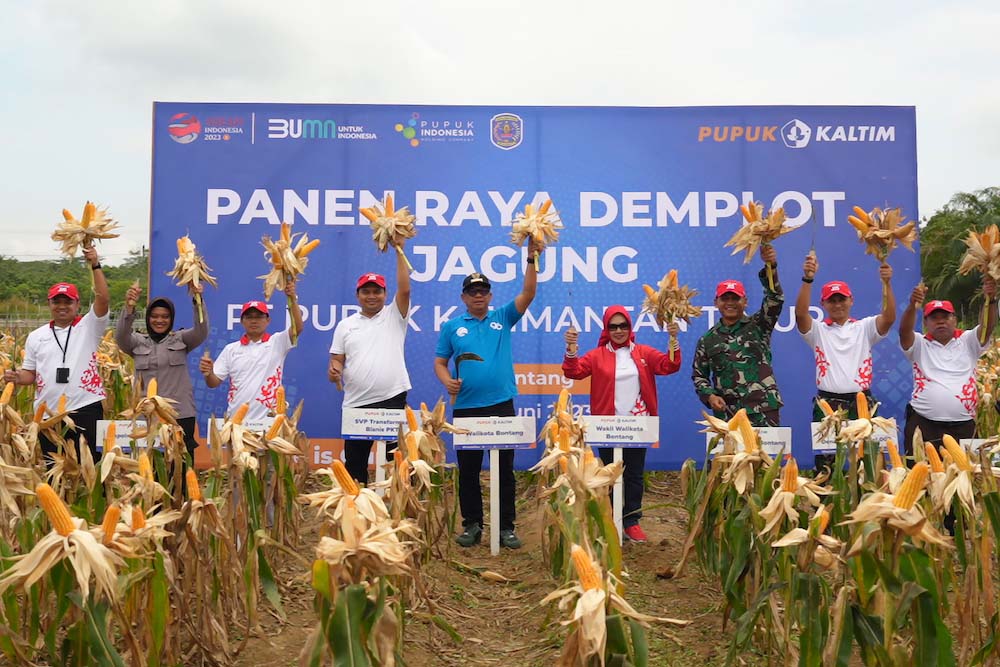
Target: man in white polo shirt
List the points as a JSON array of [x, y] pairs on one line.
[[253, 364], [366, 357], [60, 358], [944, 360], [841, 345]]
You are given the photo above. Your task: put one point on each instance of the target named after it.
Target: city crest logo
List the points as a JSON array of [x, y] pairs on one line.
[[506, 130]]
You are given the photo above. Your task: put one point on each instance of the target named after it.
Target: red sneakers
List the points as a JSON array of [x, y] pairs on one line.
[[635, 534]]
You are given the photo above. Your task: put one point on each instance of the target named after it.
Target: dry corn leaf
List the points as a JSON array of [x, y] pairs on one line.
[[758, 230]]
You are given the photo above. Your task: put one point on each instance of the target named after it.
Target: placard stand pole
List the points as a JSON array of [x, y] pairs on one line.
[[379, 467], [494, 501], [617, 496]]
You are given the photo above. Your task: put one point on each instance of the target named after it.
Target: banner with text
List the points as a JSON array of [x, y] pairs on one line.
[[639, 190]]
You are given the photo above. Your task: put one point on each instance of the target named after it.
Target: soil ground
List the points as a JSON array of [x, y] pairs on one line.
[[503, 623]]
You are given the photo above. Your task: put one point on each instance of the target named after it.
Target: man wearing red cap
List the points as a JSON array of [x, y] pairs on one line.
[[732, 362], [842, 345], [944, 360], [60, 358], [366, 356], [253, 364]]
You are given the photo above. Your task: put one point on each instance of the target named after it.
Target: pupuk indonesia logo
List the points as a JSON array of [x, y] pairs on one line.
[[506, 130], [184, 128], [409, 129]]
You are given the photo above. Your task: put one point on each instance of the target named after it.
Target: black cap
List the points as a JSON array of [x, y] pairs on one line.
[[475, 280]]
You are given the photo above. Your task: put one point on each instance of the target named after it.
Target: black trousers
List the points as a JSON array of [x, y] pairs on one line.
[[933, 430], [85, 419], [356, 452], [470, 464], [634, 459]]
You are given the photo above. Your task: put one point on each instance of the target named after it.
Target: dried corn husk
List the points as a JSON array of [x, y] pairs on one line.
[[73, 233], [390, 226], [983, 255], [190, 269], [670, 302], [288, 259], [541, 225], [881, 230], [758, 231]]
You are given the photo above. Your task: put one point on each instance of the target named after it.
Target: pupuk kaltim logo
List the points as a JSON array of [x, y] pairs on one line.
[[184, 128]]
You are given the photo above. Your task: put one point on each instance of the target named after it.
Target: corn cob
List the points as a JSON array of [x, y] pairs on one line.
[[946, 456], [790, 476], [672, 278], [151, 388], [275, 427], [67, 216], [240, 414], [412, 446], [650, 292], [55, 510], [824, 520], [194, 489], [40, 413], [390, 208], [344, 479], [863, 215], [111, 516], [402, 465], [307, 248], [585, 570], [563, 400], [824, 405], [88, 214], [544, 208], [863, 411], [138, 518], [914, 483], [746, 430], [563, 465], [411, 419], [145, 467], [588, 455], [370, 214], [280, 404], [957, 453], [858, 224], [894, 458], [61, 405], [8, 391], [933, 457], [109, 437], [564, 439]]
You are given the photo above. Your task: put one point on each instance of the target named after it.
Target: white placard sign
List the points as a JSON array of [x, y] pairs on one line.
[[773, 440], [259, 426], [123, 431], [622, 431], [828, 445], [495, 433], [371, 423]]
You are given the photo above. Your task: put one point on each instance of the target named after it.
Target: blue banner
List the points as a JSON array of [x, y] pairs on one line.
[[639, 190]]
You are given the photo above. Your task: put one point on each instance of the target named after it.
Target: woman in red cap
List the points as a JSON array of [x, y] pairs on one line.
[[622, 382]]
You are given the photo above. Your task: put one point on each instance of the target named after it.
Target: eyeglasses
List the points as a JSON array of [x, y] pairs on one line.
[[477, 292], [622, 326]]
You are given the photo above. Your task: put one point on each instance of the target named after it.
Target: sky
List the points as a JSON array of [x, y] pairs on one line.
[[79, 79]]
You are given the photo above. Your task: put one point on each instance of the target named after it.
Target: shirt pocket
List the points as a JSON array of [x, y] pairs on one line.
[[176, 353], [142, 355]]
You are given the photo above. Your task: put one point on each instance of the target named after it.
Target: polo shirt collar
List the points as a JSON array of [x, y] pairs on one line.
[[958, 334], [829, 321], [245, 340], [76, 320]]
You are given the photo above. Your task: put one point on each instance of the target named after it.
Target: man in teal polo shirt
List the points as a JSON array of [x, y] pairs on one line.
[[485, 389]]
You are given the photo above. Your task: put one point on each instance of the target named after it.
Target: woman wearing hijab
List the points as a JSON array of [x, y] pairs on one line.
[[622, 382], [161, 353]]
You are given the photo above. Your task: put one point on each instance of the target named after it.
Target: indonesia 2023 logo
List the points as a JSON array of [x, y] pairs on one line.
[[184, 128]]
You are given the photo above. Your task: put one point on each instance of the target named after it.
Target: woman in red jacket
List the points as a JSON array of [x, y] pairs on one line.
[[622, 382]]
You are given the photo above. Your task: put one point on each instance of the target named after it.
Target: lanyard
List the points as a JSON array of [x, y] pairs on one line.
[[64, 348]]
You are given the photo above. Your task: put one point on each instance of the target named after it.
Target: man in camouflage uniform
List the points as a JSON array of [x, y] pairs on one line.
[[732, 363]]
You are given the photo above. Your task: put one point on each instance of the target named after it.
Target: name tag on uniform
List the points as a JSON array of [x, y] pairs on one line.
[[371, 423], [623, 431], [495, 433]]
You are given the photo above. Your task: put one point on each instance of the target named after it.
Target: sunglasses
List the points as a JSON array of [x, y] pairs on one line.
[[619, 327], [477, 292]]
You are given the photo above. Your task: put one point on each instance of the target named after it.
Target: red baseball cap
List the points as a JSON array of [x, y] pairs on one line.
[[371, 278], [835, 287], [64, 289], [727, 286], [255, 305], [939, 305]]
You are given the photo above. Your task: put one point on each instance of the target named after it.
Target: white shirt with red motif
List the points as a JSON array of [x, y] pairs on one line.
[[43, 355], [254, 372], [843, 354], [944, 376]]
